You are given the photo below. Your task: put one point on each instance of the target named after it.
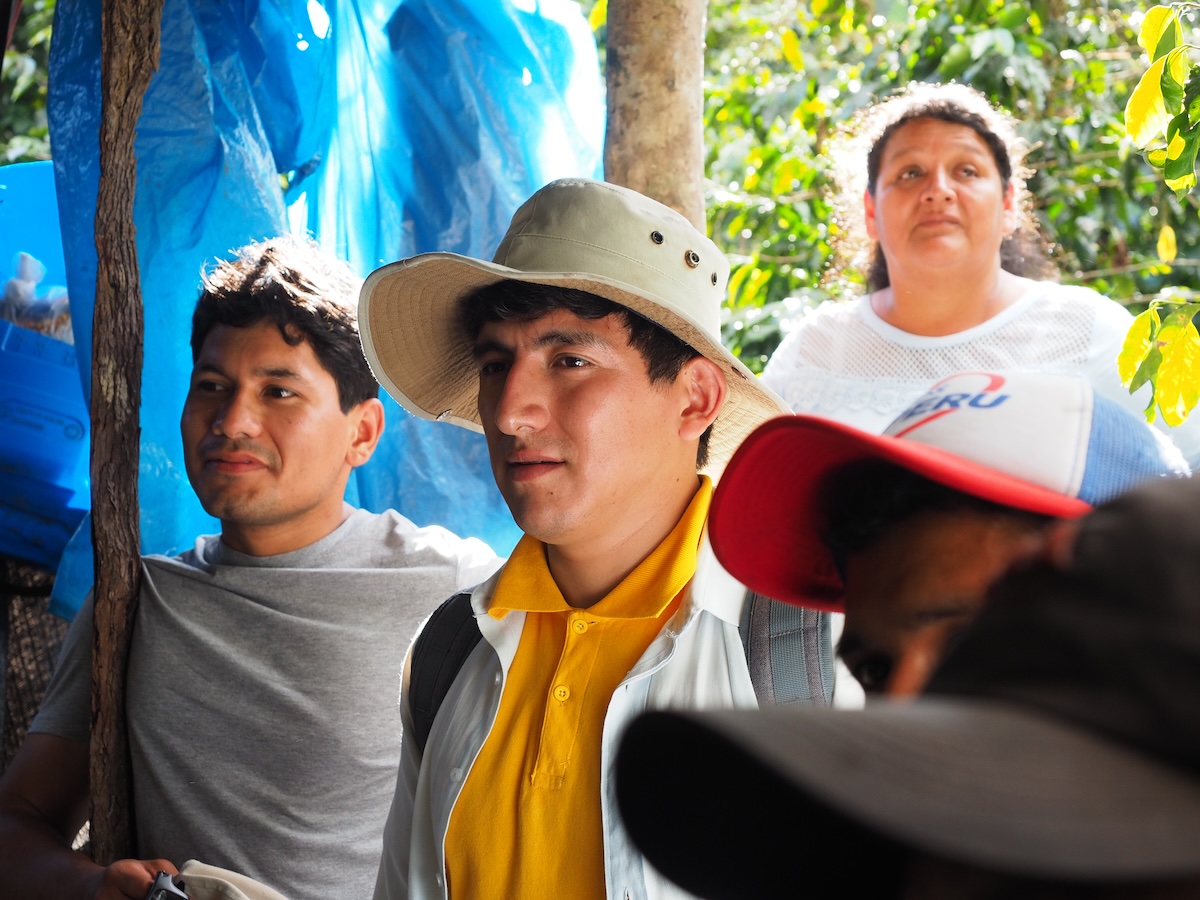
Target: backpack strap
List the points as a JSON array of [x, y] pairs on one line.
[[788, 650], [437, 656]]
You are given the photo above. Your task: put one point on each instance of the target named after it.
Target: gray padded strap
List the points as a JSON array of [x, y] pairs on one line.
[[789, 651]]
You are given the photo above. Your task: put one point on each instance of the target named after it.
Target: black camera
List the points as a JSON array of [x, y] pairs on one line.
[[166, 887]]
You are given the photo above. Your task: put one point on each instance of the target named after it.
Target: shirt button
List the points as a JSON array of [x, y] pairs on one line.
[[562, 692], [579, 626], [456, 774]]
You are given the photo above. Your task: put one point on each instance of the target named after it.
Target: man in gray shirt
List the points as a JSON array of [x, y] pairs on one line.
[[265, 666]]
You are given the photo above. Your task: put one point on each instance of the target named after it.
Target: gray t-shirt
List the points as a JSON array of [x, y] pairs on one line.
[[263, 697]]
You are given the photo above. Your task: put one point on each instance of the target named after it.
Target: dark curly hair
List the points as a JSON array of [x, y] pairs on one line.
[[856, 154], [308, 294]]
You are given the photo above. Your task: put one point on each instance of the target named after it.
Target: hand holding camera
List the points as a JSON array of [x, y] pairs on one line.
[[166, 887]]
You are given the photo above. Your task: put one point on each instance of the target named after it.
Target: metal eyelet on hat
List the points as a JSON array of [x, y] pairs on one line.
[[692, 258], [656, 236], [714, 279]]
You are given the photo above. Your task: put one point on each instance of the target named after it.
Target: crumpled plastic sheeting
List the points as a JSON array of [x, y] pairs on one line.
[[403, 127]]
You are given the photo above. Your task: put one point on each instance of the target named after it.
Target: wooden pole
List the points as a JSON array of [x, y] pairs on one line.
[[655, 68], [130, 32]]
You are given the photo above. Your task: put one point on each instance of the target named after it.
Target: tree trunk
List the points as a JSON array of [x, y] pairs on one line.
[[129, 55], [655, 138]]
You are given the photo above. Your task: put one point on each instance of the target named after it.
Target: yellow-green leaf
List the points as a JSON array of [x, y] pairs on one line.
[[1176, 146], [1184, 183], [1174, 79], [1177, 387], [1160, 22], [1146, 114], [733, 292], [786, 174], [791, 49], [1157, 157], [757, 282], [847, 21], [1137, 344], [1167, 248], [598, 17]]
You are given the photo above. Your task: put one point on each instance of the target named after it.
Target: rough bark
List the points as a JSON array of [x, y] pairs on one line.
[[655, 138], [130, 34]]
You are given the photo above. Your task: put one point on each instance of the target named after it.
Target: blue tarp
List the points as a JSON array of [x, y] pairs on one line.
[[400, 128]]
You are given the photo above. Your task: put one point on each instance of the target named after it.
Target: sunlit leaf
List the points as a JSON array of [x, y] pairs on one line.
[[1183, 143], [736, 280], [786, 175], [1157, 158], [791, 49], [1177, 385], [1174, 76], [1147, 372], [1160, 32], [955, 60], [1182, 184], [757, 282], [598, 17], [1146, 114], [1138, 342], [1167, 248]]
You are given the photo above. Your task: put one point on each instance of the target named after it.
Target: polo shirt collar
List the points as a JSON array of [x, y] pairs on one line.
[[526, 585]]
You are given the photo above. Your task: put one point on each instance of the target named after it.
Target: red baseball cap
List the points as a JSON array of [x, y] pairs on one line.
[[1041, 443]]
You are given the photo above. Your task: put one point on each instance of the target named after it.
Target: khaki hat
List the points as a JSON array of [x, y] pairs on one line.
[[573, 233]]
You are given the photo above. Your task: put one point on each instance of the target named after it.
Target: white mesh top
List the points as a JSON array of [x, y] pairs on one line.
[[842, 361]]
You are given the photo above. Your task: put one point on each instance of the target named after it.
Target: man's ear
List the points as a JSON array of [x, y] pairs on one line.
[[366, 422], [705, 390]]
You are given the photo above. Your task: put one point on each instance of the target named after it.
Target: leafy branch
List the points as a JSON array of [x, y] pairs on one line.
[[1162, 118]]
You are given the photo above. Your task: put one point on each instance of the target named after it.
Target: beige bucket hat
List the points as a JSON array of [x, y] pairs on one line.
[[574, 233]]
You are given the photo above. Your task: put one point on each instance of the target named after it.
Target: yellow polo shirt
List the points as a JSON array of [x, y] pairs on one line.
[[527, 823]]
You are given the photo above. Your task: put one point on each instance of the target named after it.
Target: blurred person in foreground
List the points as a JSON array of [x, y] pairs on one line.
[[905, 531], [935, 214], [1055, 754]]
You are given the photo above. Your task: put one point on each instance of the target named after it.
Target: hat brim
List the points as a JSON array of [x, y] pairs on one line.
[[413, 340], [767, 523], [973, 781]]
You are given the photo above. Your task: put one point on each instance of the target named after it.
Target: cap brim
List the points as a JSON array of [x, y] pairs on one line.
[[413, 341], [767, 524], [977, 782]]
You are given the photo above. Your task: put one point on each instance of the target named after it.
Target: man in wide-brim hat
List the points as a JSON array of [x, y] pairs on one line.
[[588, 352]]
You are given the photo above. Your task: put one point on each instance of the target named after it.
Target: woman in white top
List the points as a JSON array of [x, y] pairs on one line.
[[958, 277]]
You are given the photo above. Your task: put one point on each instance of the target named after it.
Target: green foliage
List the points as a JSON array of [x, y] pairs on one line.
[[1163, 118], [783, 76], [24, 134]]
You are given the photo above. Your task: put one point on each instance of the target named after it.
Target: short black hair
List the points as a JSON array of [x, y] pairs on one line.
[[308, 295], [863, 501], [519, 301]]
